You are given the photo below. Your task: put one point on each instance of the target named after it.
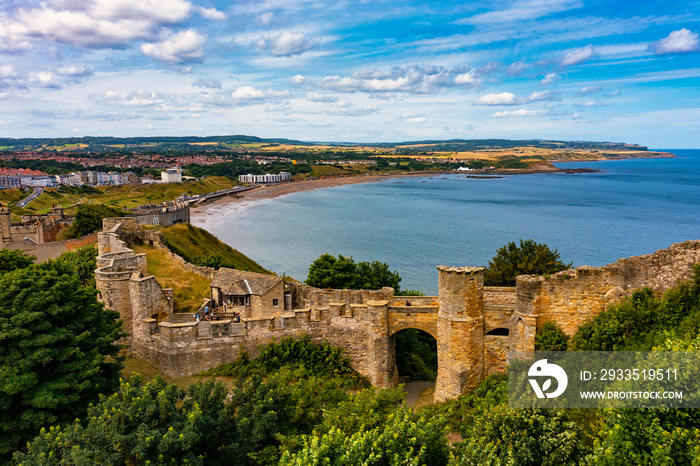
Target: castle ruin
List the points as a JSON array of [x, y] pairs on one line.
[[474, 325]]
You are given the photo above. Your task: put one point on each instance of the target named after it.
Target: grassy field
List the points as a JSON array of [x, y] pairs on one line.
[[126, 196], [192, 243], [189, 288]]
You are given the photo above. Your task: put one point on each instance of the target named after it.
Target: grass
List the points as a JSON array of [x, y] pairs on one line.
[[195, 244], [127, 196], [189, 288]]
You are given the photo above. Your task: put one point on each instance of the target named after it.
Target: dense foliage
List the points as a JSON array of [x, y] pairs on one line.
[[13, 260], [344, 273], [643, 321], [57, 351], [88, 218], [527, 258], [551, 338], [319, 358]]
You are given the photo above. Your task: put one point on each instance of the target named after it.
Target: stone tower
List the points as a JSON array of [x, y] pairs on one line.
[[5, 225], [460, 328]]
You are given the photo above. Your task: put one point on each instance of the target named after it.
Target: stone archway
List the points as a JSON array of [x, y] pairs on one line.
[[415, 353]]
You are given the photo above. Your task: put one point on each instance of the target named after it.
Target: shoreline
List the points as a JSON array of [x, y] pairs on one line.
[[204, 216]]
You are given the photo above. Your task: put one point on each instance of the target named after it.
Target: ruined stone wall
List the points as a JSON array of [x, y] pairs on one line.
[[572, 297]]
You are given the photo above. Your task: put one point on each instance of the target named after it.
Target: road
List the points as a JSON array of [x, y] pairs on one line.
[[36, 192]]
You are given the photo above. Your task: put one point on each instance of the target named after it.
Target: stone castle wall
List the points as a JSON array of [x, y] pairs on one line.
[[475, 326]]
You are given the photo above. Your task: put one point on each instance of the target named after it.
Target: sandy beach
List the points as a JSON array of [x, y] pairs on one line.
[[204, 216]]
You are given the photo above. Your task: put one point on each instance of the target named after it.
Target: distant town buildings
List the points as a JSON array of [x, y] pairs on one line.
[[171, 175], [266, 178]]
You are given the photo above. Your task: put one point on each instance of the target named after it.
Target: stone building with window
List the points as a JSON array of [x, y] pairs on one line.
[[250, 294]]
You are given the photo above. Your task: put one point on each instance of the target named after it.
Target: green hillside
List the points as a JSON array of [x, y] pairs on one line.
[[200, 247]]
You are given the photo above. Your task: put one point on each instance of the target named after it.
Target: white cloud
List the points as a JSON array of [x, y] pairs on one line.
[[519, 113], [416, 79], [521, 10], [411, 118], [212, 13], [131, 99], [249, 94], [73, 71], [266, 18], [681, 41], [550, 78], [287, 44], [591, 103], [589, 90], [537, 96], [504, 98], [185, 46], [297, 80], [468, 79], [91, 23], [578, 56], [318, 97], [517, 68], [209, 84]]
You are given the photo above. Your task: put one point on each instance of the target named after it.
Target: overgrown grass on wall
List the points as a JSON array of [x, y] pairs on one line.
[[189, 288], [200, 247]]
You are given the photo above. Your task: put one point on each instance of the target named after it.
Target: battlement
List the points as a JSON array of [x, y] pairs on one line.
[[475, 325]]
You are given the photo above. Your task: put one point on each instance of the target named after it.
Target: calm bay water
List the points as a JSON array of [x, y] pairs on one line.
[[632, 207]]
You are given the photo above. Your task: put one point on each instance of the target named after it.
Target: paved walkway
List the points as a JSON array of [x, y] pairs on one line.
[[414, 389]]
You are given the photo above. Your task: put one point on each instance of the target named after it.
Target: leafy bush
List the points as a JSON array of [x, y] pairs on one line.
[[551, 338], [344, 273], [528, 258], [317, 358], [643, 321]]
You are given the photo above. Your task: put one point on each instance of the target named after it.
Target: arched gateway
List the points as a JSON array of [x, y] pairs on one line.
[[474, 326]]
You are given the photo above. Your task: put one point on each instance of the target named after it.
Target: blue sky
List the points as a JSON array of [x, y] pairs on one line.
[[367, 71]]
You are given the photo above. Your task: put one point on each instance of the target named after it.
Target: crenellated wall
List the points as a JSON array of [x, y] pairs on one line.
[[475, 326]]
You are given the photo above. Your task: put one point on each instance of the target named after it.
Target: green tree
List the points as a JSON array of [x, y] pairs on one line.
[[57, 352], [551, 338], [528, 258], [526, 437], [80, 263], [12, 260], [88, 218], [343, 273], [405, 439]]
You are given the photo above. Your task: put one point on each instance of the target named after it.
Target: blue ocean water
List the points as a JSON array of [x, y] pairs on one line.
[[631, 207]]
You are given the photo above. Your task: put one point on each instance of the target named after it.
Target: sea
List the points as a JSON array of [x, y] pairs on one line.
[[630, 207]]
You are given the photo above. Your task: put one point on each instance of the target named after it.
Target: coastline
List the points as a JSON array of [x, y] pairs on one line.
[[203, 216]]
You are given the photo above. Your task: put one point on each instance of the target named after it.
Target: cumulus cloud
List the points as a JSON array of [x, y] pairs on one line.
[[591, 103], [681, 41], [578, 56], [318, 97], [297, 80], [209, 84], [286, 44], [543, 95], [417, 79], [517, 68], [185, 46], [550, 78], [266, 18], [92, 23], [212, 13], [504, 98], [411, 118], [73, 71], [587, 90], [348, 109], [138, 98], [519, 113], [249, 94]]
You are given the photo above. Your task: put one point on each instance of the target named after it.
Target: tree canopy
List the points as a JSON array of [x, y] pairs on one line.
[[57, 351], [88, 218], [527, 258], [13, 260], [344, 273]]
